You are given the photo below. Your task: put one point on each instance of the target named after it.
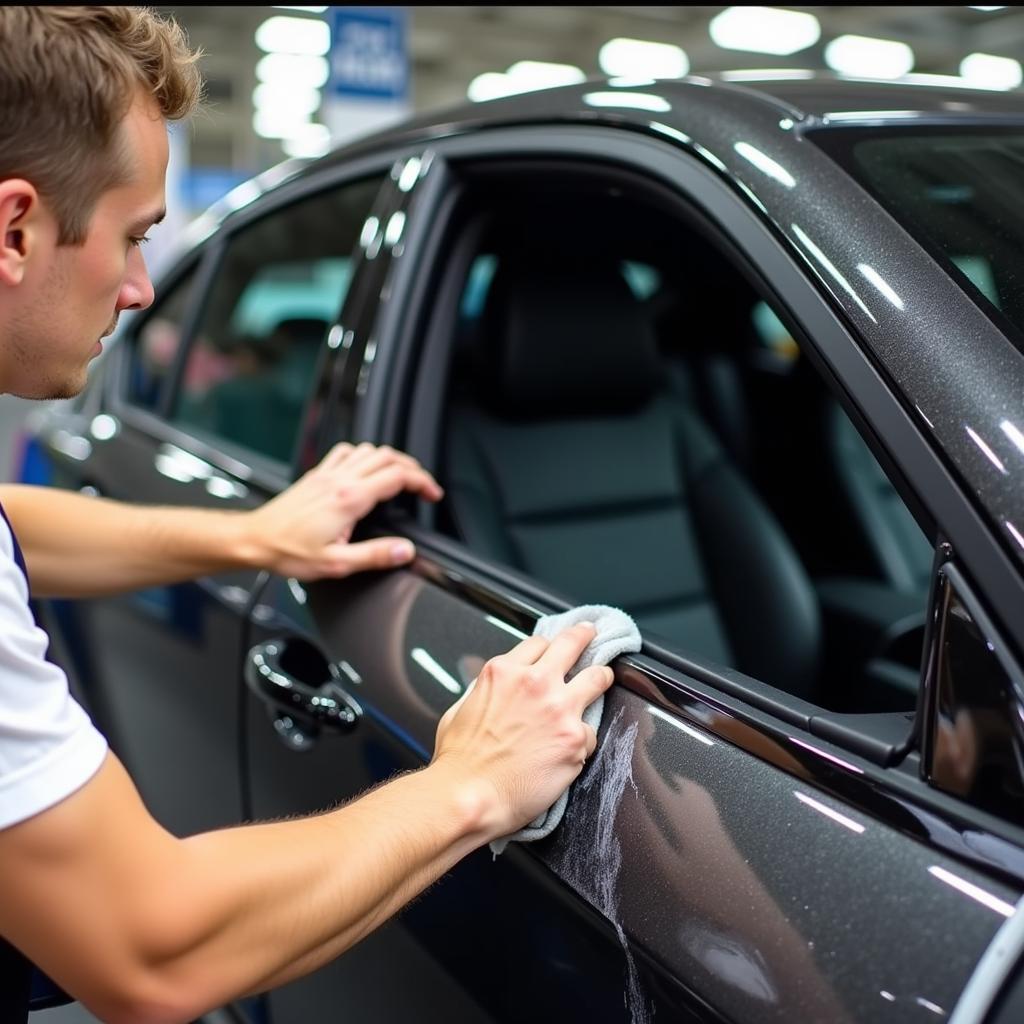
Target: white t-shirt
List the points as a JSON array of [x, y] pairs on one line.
[[48, 746]]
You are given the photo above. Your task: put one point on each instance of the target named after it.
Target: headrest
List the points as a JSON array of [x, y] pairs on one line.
[[308, 329], [561, 340]]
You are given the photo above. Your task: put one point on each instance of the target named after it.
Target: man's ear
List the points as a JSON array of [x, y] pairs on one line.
[[19, 215]]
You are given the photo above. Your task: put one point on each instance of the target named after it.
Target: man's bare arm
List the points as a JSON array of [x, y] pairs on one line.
[[147, 928], [78, 546]]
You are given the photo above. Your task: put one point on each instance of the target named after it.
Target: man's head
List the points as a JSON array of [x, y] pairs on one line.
[[85, 94]]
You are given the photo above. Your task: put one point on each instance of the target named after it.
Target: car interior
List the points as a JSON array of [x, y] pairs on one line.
[[627, 420]]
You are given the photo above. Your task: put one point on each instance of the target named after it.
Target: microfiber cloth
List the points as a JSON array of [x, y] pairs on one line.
[[616, 633]]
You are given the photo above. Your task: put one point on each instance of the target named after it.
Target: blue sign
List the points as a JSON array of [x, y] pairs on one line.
[[369, 53]]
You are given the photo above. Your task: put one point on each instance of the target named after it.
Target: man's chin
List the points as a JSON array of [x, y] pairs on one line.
[[53, 391]]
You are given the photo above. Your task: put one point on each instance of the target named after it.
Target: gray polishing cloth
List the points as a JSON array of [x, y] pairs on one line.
[[616, 634]]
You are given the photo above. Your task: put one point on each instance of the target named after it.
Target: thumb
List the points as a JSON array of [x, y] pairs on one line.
[[379, 553]]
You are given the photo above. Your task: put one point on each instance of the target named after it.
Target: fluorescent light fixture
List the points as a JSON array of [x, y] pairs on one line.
[[306, 36], [540, 74], [312, 10], [632, 100], [991, 72], [764, 30], [294, 69], [872, 58], [307, 140], [629, 57], [273, 96], [523, 76], [278, 124], [973, 8], [491, 85], [767, 74]]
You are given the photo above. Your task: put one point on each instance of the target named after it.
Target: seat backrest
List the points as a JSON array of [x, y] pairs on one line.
[[568, 459], [901, 550]]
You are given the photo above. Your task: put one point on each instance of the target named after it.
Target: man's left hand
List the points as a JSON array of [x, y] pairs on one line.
[[304, 532]]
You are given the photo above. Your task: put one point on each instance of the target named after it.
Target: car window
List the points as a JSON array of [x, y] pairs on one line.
[[959, 191], [155, 348], [977, 749], [628, 421], [279, 287]]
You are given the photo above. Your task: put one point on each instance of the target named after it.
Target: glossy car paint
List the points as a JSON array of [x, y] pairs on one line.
[[751, 870]]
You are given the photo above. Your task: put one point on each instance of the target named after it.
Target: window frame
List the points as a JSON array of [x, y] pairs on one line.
[[422, 431]]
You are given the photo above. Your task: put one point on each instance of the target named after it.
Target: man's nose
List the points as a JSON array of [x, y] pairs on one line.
[[137, 288]]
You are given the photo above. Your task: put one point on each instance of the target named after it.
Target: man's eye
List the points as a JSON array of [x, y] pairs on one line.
[[138, 241]]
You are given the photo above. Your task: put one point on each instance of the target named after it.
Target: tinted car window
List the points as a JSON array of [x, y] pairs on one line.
[[625, 414], [960, 193], [978, 732], [279, 288], [157, 343]]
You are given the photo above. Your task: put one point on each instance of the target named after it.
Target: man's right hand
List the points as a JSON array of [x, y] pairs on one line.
[[517, 736]]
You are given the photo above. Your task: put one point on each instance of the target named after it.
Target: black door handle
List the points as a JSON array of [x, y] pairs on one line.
[[295, 680]]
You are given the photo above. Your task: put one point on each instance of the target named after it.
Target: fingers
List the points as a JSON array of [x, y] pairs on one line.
[[389, 480], [590, 684], [564, 651], [526, 652], [389, 471], [379, 553]]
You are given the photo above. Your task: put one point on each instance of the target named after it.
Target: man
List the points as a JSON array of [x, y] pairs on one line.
[[139, 925]]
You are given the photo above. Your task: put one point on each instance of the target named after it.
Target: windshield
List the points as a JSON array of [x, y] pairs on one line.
[[958, 191]]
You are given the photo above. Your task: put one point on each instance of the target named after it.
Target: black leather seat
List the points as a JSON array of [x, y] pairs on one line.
[[902, 552], [567, 457]]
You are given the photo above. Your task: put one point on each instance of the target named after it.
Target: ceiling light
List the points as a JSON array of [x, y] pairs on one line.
[[986, 8], [312, 10], [628, 57], [294, 69], [278, 124], [285, 97], [523, 76], [871, 58], [634, 100], [991, 72], [309, 140], [490, 86], [540, 74], [281, 34], [764, 30]]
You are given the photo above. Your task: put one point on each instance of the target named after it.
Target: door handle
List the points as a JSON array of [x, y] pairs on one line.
[[293, 678]]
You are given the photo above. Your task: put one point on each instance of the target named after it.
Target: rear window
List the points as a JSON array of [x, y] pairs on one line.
[[961, 193]]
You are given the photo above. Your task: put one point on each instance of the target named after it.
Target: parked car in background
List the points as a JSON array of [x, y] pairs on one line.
[[741, 355]]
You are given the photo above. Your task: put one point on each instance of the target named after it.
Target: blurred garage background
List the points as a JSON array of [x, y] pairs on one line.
[[290, 82], [286, 82]]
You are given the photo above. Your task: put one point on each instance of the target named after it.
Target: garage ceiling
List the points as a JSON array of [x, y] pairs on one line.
[[449, 46]]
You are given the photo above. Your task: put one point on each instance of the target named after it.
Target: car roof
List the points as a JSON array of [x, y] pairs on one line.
[[821, 99]]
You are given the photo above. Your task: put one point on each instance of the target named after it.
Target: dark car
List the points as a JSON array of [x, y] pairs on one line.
[[742, 356]]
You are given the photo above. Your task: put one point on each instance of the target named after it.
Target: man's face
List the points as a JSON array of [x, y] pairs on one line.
[[71, 295]]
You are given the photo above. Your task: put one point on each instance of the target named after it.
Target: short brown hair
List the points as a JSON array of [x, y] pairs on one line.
[[68, 76]]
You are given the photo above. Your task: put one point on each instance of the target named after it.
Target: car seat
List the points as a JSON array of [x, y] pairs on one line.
[[567, 457]]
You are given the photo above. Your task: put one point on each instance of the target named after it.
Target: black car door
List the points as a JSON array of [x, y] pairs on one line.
[[734, 851]]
